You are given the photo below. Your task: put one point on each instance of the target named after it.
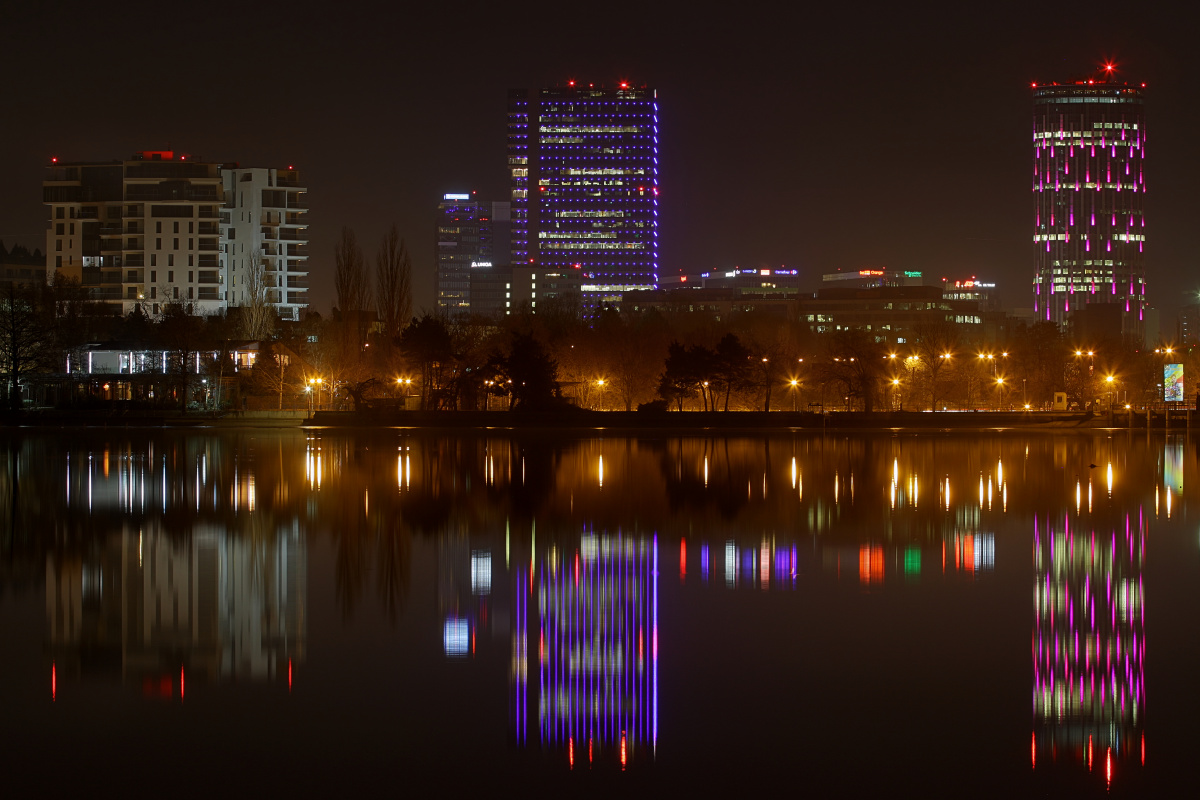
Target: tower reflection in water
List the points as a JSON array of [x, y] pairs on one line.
[[1089, 643], [585, 650]]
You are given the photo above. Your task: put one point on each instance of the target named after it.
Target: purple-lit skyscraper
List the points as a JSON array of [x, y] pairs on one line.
[[584, 169], [1089, 146]]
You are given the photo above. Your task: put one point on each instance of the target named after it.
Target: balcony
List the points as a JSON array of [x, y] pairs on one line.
[[209, 262], [134, 228], [205, 293], [208, 246], [133, 260], [296, 218], [270, 232], [210, 278], [298, 250], [292, 235], [207, 213], [297, 283], [111, 245], [209, 229]]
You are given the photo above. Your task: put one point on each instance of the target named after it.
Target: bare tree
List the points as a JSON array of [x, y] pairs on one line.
[[349, 277], [23, 337], [393, 284], [257, 314]]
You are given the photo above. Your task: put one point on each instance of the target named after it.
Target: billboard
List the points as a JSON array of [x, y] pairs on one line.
[[1173, 383]]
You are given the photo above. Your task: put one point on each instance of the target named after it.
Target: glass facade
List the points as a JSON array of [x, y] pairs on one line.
[[1089, 146], [471, 234], [584, 170]]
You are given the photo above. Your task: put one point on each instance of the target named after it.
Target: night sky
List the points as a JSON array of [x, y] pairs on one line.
[[817, 136]]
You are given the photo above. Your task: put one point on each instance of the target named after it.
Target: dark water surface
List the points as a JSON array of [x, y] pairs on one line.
[[290, 613]]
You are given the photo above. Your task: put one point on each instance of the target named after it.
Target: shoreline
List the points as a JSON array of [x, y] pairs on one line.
[[632, 421]]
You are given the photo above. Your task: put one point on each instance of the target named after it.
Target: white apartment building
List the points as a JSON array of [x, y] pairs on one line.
[[161, 228], [265, 218]]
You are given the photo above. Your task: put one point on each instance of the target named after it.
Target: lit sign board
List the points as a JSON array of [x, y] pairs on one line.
[[456, 197], [1173, 383], [870, 272], [481, 263], [911, 273], [764, 272]]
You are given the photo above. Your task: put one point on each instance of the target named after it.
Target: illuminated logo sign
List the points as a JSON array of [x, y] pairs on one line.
[[911, 273], [870, 272], [481, 263], [786, 272], [764, 272], [456, 197]]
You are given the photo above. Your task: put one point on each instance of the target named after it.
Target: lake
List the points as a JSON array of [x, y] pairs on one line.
[[308, 612]]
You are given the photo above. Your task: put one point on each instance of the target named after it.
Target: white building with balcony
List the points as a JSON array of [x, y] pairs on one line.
[[265, 227]]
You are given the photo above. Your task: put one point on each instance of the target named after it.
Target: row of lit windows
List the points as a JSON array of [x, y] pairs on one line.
[[594, 129], [1076, 186], [576, 235], [594, 246], [573, 214], [1060, 237], [602, 171]]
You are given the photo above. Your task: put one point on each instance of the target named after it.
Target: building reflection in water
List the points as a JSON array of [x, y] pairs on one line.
[[167, 572], [1089, 643], [585, 649]]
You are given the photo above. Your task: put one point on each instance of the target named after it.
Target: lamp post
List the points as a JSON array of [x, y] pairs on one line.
[[1000, 391], [600, 395], [895, 390], [794, 384]]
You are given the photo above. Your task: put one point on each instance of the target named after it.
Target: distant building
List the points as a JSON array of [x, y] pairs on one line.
[[872, 277], [584, 169], [501, 290], [1088, 181], [892, 314], [163, 228], [265, 217], [972, 289], [471, 235], [749, 278]]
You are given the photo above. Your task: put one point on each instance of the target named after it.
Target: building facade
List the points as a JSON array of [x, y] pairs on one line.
[[139, 232], [162, 228], [1089, 147], [471, 234], [584, 170], [265, 227]]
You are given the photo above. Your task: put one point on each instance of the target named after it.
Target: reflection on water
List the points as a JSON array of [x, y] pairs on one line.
[[589, 617], [1089, 642], [182, 559], [156, 611]]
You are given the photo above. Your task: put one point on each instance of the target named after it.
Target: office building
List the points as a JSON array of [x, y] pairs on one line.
[[501, 290], [471, 235], [161, 227], [265, 225], [584, 169], [1089, 147]]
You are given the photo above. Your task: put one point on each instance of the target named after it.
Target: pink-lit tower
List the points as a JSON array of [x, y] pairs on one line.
[[1089, 189]]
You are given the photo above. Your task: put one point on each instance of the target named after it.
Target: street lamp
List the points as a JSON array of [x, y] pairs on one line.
[[896, 388], [794, 384], [600, 385], [1000, 390]]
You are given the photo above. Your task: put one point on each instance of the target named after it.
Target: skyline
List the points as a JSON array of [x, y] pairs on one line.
[[785, 138]]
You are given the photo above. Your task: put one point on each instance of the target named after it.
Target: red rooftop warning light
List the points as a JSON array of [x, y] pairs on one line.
[[624, 85]]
